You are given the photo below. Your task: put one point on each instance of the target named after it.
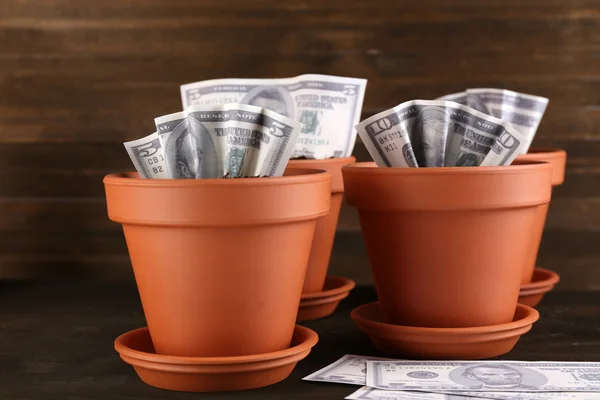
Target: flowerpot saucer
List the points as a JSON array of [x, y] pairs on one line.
[[542, 282], [322, 304], [211, 374], [443, 343]]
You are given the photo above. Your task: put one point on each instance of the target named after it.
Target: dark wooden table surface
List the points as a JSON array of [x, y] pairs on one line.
[[56, 342]]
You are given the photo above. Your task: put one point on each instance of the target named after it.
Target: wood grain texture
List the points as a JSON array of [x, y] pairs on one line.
[[79, 77]]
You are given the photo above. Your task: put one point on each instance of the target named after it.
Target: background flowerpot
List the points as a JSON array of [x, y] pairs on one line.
[[446, 245], [557, 158], [320, 253], [219, 263]]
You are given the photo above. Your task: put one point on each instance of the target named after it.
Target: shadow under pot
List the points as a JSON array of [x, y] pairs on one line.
[[557, 158], [320, 254], [219, 263], [446, 245]]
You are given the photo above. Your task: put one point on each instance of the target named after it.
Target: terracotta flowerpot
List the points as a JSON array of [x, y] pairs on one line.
[[219, 263], [557, 158], [446, 245], [320, 254]]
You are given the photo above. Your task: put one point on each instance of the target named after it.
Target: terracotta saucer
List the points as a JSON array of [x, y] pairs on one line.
[[211, 374], [322, 304], [443, 343], [542, 282]]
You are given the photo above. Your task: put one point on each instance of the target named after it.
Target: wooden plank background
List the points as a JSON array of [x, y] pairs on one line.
[[79, 77]]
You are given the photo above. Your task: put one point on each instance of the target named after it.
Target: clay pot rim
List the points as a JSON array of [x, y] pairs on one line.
[[536, 291], [539, 153], [324, 300], [530, 315], [333, 165], [303, 340], [542, 279], [296, 176], [517, 167], [342, 285], [334, 160]]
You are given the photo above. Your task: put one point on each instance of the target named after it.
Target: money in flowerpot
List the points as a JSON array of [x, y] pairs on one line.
[[216, 141], [446, 245], [320, 254], [523, 111], [557, 158], [219, 263], [327, 106]]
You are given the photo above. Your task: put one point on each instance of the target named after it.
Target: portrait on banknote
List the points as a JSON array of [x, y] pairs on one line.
[[497, 376], [274, 98], [190, 151], [429, 138]]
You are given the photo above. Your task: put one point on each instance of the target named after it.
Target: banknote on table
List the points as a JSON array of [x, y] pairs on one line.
[[368, 393], [487, 376], [350, 369], [148, 157], [227, 140], [433, 133], [327, 106]]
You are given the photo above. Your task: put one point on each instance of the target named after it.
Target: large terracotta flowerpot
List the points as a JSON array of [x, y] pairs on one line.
[[557, 158], [446, 245], [219, 263], [320, 253]]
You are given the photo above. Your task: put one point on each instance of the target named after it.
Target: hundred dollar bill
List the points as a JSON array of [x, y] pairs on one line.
[[231, 140], [327, 106], [148, 157], [434, 133], [488, 376], [350, 369], [367, 393]]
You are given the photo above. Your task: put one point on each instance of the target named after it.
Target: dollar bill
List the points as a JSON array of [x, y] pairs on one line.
[[487, 376], [327, 106], [367, 393], [167, 124], [350, 369], [523, 111], [147, 157], [434, 133], [231, 140]]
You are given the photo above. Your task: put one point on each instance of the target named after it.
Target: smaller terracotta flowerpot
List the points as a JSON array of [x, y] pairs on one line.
[[320, 254], [557, 158], [323, 304], [543, 281], [442, 343], [446, 246], [211, 374], [219, 263]]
